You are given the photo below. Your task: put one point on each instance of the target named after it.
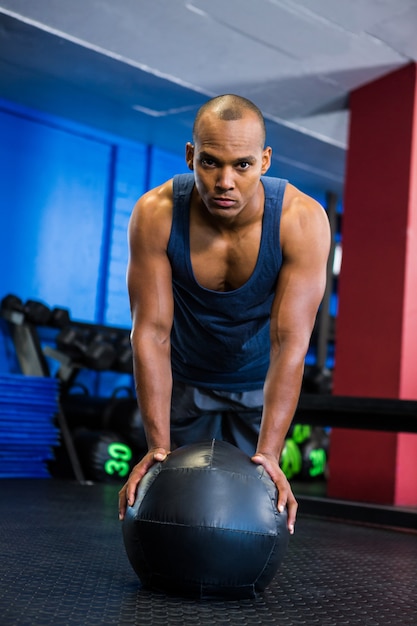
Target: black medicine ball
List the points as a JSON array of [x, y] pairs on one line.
[[205, 523]]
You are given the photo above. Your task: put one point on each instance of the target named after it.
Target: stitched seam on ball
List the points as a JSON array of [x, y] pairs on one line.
[[233, 530]]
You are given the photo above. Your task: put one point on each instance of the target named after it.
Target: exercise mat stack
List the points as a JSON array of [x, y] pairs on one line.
[[28, 433]]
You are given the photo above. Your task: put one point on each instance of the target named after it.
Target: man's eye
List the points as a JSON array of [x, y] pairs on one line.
[[243, 165], [207, 162]]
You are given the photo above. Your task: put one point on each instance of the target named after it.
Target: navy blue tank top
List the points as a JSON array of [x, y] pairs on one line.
[[220, 339]]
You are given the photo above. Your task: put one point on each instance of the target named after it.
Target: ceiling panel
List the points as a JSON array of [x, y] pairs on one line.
[[141, 69]]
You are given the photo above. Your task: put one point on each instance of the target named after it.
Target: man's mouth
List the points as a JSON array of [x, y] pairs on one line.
[[224, 202]]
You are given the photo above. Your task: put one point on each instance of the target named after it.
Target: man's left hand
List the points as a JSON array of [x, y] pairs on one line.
[[285, 495]]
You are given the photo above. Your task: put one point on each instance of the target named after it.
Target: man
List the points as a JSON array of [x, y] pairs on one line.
[[226, 273]]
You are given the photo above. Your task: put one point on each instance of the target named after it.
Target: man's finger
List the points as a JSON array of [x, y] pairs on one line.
[[292, 512], [122, 503]]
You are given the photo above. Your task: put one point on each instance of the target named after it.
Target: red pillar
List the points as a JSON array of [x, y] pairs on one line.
[[376, 340]]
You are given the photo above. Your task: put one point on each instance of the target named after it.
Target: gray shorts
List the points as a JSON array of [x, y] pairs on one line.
[[199, 414]]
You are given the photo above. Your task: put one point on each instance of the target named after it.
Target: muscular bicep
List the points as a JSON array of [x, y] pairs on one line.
[[302, 279], [149, 279]]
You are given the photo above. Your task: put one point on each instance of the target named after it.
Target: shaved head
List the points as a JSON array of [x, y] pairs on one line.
[[229, 107]]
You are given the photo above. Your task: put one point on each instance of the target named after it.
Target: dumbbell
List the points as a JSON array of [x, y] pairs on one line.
[[305, 453], [300, 433], [60, 317], [104, 456], [83, 410], [317, 380], [314, 454], [291, 459], [33, 311], [122, 415], [100, 353], [90, 349], [120, 339], [124, 357], [11, 303]]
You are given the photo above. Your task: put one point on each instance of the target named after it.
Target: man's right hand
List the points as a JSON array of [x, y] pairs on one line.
[[127, 494]]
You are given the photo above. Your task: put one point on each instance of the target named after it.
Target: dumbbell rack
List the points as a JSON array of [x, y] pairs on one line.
[[32, 362], [82, 345], [27, 345]]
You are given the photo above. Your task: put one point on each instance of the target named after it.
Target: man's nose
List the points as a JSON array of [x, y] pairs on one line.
[[225, 178]]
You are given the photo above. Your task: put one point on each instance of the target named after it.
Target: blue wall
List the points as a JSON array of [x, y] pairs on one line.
[[53, 190], [66, 195]]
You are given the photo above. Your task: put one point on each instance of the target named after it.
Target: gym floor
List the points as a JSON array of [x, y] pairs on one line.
[[63, 562]]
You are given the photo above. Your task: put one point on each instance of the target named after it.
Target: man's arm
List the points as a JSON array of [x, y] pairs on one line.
[[305, 240], [149, 283]]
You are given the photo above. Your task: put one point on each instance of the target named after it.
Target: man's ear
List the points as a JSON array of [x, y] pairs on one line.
[[189, 155], [266, 159]]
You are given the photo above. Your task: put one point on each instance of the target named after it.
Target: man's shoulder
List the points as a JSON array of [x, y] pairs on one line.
[[157, 197], [297, 200], [165, 193], [153, 211], [302, 215]]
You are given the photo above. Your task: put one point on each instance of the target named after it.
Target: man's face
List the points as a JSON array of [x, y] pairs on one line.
[[228, 160]]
